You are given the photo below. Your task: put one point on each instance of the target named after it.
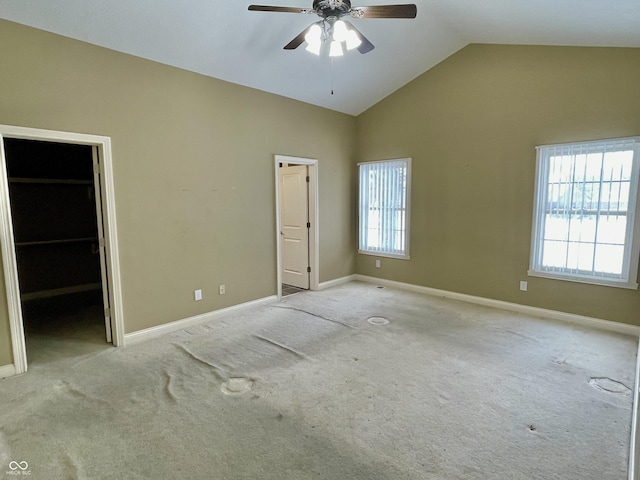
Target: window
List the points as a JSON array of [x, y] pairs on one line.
[[384, 208], [585, 225]]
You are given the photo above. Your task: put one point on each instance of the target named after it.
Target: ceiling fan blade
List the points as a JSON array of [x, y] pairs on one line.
[[268, 8], [296, 42], [408, 10], [366, 46]]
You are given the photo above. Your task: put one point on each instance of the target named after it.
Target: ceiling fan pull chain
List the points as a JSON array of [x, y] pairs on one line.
[[331, 73]]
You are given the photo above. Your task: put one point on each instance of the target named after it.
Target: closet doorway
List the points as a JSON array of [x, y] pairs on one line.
[[61, 277]]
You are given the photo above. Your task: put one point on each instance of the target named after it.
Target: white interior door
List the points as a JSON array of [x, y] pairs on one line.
[[294, 231]]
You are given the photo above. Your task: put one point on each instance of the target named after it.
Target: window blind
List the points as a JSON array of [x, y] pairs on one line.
[[384, 207], [585, 219]]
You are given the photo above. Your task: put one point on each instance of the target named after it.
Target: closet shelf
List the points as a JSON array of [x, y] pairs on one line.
[[55, 292], [55, 219], [57, 242], [68, 181]]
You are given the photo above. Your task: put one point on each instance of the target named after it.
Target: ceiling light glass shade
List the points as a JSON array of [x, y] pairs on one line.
[[353, 40], [314, 35], [340, 31], [336, 49], [314, 48]]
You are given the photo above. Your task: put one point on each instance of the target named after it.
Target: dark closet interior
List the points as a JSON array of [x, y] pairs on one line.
[[53, 208]]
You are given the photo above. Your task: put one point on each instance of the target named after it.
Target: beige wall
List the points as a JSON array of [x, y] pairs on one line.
[[471, 124], [194, 171], [193, 166]]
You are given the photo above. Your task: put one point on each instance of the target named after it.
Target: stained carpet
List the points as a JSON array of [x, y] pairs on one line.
[[354, 382]]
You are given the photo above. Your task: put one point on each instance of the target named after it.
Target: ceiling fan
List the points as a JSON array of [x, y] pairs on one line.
[[332, 28]]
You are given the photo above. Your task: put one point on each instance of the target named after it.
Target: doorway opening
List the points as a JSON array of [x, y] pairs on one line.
[[59, 249], [57, 228], [296, 224]]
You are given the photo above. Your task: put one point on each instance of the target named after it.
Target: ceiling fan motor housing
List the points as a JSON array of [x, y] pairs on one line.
[[332, 8]]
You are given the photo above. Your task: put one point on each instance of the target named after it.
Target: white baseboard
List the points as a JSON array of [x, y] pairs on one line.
[[7, 371], [152, 332], [336, 281], [513, 307]]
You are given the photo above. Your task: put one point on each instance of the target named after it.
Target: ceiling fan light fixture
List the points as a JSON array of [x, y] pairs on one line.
[[336, 49], [353, 40], [314, 35], [340, 31], [331, 27], [314, 48]]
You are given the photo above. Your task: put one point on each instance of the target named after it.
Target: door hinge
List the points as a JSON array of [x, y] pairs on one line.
[[96, 168], [308, 179], [107, 312], [308, 269], [308, 224], [101, 242]]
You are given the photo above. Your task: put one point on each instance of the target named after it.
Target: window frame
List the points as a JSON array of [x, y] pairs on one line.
[[407, 230], [631, 256]]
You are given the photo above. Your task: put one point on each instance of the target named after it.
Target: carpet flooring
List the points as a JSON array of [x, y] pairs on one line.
[[354, 382]]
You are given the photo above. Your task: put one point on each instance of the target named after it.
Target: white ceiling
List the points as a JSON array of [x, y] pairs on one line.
[[222, 39]]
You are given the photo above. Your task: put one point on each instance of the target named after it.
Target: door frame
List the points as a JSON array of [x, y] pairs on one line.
[[314, 216], [107, 193]]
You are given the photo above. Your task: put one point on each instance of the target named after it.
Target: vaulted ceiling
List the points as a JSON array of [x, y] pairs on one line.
[[222, 39]]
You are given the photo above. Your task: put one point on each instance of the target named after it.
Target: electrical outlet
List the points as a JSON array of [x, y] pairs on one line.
[[222, 289], [523, 285], [197, 295], [377, 263]]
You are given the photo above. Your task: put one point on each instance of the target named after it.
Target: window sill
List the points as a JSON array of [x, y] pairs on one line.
[[589, 280], [386, 255]]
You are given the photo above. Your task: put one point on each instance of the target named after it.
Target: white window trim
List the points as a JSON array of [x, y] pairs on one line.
[[406, 255], [632, 254]]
